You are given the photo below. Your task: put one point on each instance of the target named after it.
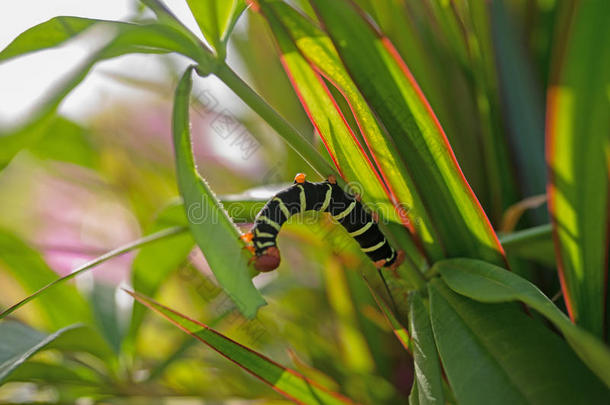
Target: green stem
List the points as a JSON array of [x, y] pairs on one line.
[[107, 256], [296, 141], [527, 235]]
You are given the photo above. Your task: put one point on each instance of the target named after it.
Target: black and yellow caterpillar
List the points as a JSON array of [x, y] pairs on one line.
[[325, 196]]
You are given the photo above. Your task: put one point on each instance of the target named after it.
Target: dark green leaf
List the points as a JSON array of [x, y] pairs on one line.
[[496, 353], [488, 283]]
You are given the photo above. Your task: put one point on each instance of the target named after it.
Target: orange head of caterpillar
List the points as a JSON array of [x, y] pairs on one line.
[[300, 178], [269, 260]]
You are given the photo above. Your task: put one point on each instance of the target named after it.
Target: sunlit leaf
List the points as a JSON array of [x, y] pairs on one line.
[[488, 283], [509, 357], [212, 229], [285, 381], [396, 99], [578, 131], [400, 331], [216, 19]]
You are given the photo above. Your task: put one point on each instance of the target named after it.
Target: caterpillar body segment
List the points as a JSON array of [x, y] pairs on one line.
[[324, 196]]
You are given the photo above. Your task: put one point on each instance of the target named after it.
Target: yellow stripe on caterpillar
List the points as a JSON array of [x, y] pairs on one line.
[[303, 198], [346, 211], [373, 248], [362, 230], [269, 221], [285, 210], [327, 197], [260, 234]]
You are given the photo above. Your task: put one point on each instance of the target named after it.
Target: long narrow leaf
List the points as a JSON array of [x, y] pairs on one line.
[[317, 48], [488, 283], [393, 95], [341, 142], [56, 283], [214, 232], [285, 381], [400, 331], [578, 139]]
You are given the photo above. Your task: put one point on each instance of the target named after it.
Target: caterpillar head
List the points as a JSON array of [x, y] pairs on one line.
[[269, 260]]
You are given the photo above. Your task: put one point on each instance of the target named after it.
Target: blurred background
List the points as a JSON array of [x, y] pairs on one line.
[[103, 173]]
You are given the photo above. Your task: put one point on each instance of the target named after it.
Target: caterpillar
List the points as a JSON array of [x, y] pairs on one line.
[[324, 196]]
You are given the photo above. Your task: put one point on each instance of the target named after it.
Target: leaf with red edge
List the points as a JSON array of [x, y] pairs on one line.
[[287, 382], [396, 99], [578, 139]]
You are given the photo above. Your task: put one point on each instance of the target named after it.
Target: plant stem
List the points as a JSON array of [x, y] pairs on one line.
[[165, 233], [525, 236], [296, 141]]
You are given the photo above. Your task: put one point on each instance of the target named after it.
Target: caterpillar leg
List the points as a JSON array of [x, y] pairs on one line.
[[300, 178], [379, 263], [247, 237]]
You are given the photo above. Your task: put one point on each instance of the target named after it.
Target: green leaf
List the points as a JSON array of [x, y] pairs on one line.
[[55, 287], [47, 35], [393, 95], [212, 229], [155, 262], [317, 48], [496, 353], [285, 381], [20, 342], [216, 19], [48, 373], [488, 283], [428, 375], [345, 149], [578, 133], [128, 38], [61, 307]]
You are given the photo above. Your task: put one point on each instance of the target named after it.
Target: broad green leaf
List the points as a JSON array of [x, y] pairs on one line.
[[496, 353], [393, 95], [578, 136], [285, 381], [534, 244], [47, 282], [216, 19], [212, 229], [61, 307], [428, 375], [84, 339], [155, 262], [317, 48], [342, 144], [128, 38], [488, 283], [20, 342]]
